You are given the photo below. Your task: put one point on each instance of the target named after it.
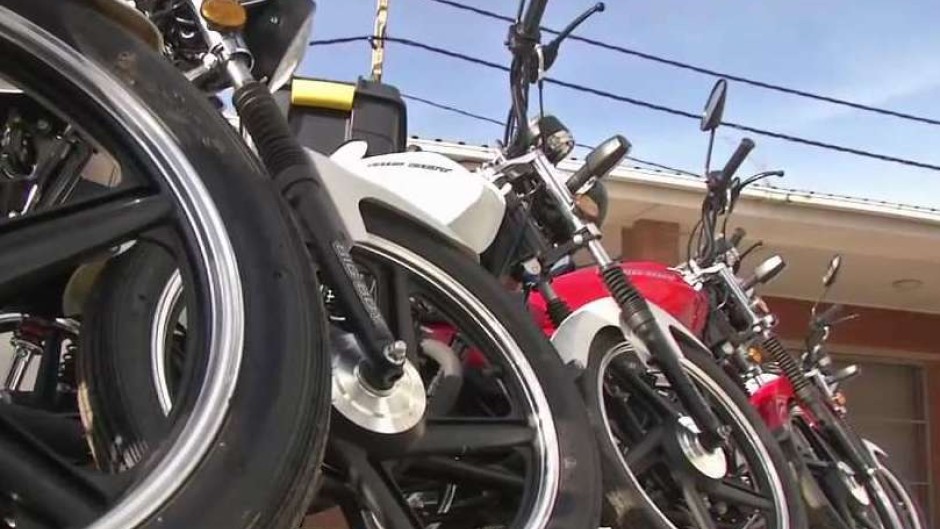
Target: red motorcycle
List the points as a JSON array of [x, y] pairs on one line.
[[843, 478], [681, 444]]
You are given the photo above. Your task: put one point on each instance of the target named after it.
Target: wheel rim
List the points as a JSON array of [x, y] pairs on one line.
[[546, 472], [219, 280], [908, 514], [535, 506], [162, 323], [696, 489]]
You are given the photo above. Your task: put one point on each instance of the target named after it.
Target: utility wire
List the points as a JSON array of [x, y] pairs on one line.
[[455, 110], [494, 121], [641, 103], [699, 69]]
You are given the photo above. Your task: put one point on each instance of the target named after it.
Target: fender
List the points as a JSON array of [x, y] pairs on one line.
[[574, 337], [427, 187], [772, 401], [876, 451]]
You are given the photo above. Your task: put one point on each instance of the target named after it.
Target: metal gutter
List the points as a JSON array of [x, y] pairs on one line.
[[663, 179]]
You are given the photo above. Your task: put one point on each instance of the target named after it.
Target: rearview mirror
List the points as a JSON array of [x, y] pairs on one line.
[[715, 107], [833, 271]]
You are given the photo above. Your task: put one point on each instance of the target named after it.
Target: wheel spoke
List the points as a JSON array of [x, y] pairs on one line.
[[739, 494], [33, 245], [376, 491], [441, 468], [465, 436], [44, 481], [697, 508], [646, 453]]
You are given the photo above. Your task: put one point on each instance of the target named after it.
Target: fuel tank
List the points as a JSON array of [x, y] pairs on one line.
[[656, 281]]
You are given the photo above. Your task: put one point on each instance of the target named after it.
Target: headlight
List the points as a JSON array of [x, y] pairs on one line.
[[295, 52]]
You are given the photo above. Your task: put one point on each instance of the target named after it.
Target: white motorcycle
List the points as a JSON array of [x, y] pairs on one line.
[[449, 408]]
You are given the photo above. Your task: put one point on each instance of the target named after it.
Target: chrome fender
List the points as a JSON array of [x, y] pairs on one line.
[[429, 187], [875, 450], [575, 335]]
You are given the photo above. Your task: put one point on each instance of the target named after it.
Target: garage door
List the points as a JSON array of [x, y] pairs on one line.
[[887, 405]]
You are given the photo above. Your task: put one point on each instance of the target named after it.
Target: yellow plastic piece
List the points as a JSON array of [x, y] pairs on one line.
[[322, 94]]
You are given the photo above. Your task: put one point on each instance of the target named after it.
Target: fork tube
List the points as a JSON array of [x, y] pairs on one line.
[[298, 181], [635, 311]]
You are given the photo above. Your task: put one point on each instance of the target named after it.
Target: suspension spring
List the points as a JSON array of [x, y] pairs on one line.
[[790, 367]]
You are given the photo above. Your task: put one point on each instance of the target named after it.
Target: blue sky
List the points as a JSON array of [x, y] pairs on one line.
[[873, 52]]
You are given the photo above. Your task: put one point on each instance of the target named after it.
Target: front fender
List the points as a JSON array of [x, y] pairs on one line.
[[877, 453], [574, 337], [430, 188]]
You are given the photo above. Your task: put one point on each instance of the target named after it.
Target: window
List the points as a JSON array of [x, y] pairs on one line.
[[887, 405]]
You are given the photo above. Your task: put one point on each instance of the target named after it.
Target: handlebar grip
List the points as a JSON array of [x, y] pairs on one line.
[[532, 19], [744, 148], [737, 237]]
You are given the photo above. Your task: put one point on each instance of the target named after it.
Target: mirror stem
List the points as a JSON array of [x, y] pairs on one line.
[[708, 154]]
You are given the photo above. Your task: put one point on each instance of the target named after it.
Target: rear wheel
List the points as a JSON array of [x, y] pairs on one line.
[[185, 179], [656, 472]]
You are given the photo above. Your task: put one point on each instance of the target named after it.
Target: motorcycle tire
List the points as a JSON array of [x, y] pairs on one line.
[[626, 504], [573, 498], [577, 492], [910, 515], [261, 418]]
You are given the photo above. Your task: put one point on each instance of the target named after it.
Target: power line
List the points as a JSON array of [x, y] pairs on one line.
[[494, 121], [645, 104], [701, 70], [455, 110]]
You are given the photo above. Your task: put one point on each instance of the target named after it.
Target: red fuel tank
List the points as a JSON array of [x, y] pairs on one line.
[[655, 281]]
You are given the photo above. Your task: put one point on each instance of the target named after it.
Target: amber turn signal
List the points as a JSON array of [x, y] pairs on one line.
[[587, 207], [224, 14], [755, 355], [839, 399]]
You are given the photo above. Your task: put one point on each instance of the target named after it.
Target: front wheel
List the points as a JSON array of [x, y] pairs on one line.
[[655, 470], [902, 502], [504, 441]]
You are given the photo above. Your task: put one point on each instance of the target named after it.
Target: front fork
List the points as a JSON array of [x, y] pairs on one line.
[[298, 181], [636, 313], [849, 444]]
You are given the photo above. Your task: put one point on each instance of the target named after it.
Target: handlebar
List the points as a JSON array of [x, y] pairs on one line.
[[734, 163], [532, 19]]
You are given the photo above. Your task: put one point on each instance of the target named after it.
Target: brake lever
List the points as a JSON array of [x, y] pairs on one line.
[[550, 50], [739, 185]]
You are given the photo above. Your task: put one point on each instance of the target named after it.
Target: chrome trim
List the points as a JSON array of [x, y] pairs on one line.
[[697, 375], [225, 314], [546, 446], [166, 303]]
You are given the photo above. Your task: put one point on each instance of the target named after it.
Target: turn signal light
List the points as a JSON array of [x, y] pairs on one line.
[[755, 355], [839, 399], [224, 14]]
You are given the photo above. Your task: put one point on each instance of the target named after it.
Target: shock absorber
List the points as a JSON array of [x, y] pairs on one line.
[[790, 367], [640, 319]]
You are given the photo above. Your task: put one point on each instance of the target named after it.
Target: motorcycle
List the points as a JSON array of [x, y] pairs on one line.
[[421, 435], [811, 424], [105, 145], [844, 479]]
